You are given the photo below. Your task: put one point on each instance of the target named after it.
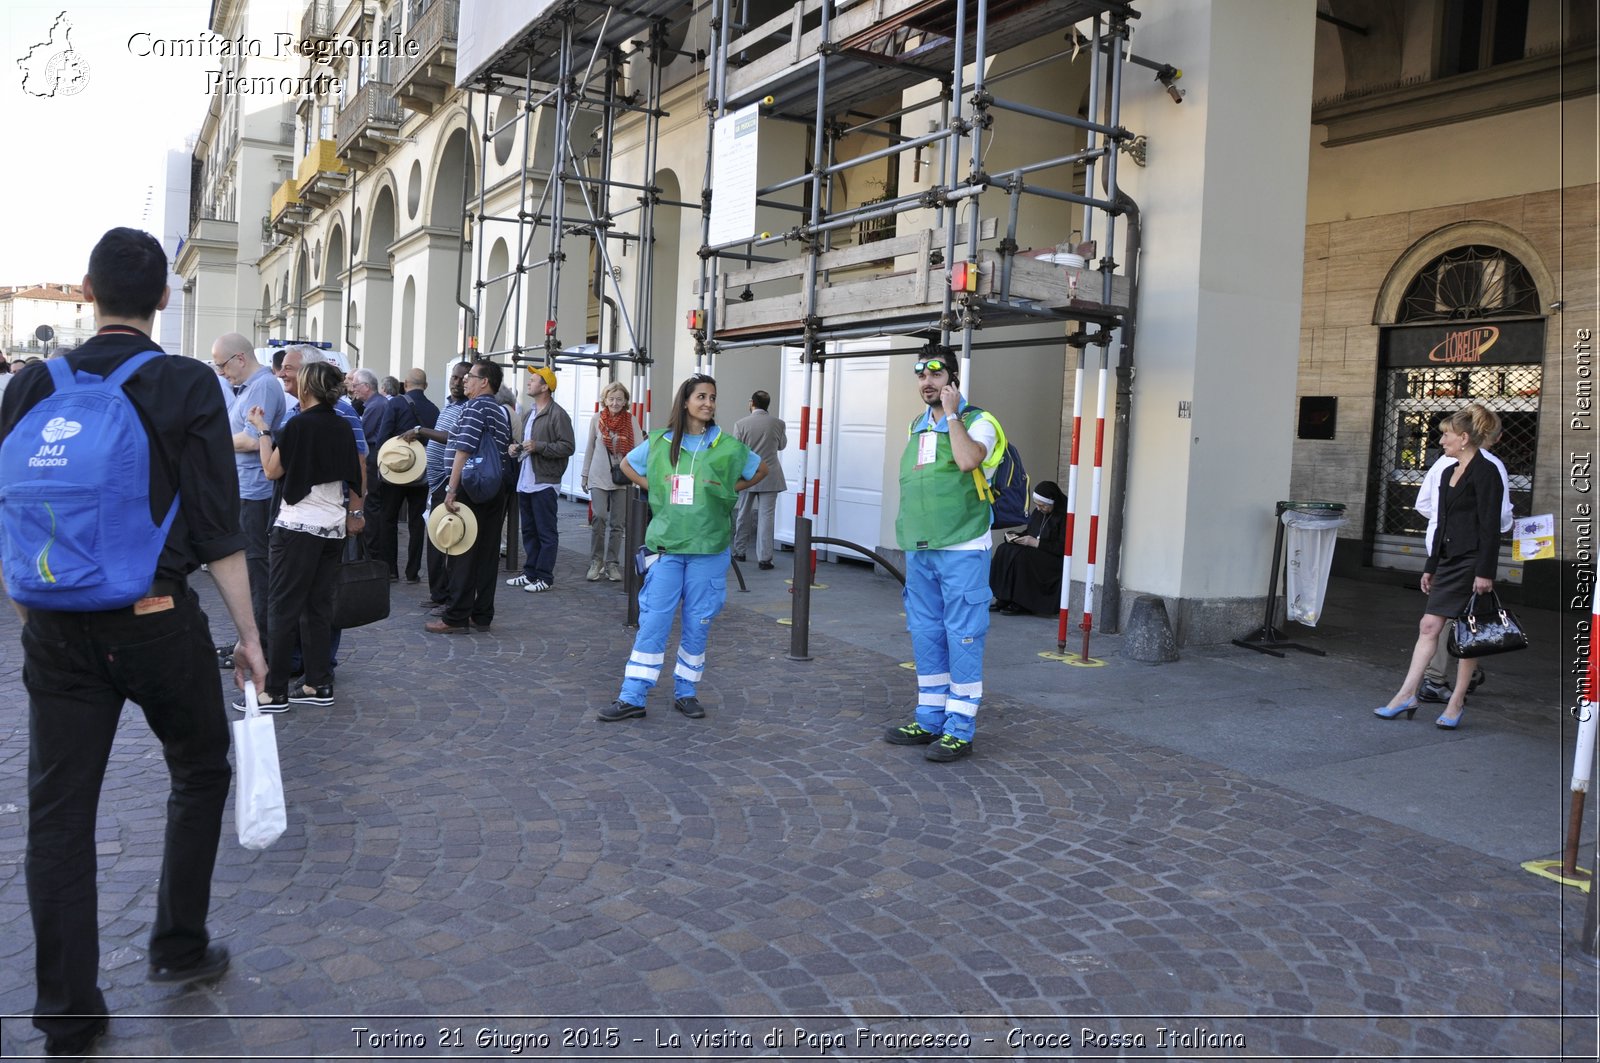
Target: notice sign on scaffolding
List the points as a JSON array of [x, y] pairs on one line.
[[733, 176]]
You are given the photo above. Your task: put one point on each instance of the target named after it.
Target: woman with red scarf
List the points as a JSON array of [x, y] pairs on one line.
[[610, 437]]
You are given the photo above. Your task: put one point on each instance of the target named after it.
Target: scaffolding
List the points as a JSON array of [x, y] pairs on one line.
[[949, 284]]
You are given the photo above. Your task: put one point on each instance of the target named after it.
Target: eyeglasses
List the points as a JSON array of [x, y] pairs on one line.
[[929, 365], [477, 376], [220, 366]]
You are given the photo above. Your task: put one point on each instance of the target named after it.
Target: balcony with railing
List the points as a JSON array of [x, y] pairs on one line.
[[316, 23], [321, 175], [368, 125], [287, 213], [425, 79]]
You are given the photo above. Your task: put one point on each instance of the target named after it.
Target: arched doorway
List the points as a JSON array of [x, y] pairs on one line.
[[1462, 322]]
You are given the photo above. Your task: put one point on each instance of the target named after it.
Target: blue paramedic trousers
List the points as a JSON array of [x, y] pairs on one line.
[[947, 613], [700, 582]]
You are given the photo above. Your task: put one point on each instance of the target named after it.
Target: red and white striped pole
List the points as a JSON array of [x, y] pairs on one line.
[[1094, 497], [816, 481], [806, 475], [1072, 507], [1583, 759]]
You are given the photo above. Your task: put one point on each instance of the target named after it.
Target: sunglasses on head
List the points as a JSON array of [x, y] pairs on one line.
[[930, 365]]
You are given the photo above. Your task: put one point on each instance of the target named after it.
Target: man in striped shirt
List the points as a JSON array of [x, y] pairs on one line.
[[482, 428]]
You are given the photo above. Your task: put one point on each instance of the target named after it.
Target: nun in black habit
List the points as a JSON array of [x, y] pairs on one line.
[[1025, 570]]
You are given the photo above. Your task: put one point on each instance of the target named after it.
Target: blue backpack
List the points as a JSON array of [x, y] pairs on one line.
[[1007, 490], [75, 528]]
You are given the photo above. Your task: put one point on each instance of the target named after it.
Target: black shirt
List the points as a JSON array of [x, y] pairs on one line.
[[191, 448], [317, 446]]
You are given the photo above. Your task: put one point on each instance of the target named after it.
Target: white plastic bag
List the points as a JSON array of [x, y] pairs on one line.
[[1311, 538], [258, 807]]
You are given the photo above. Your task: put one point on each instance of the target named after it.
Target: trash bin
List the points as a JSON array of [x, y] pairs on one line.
[[1312, 529]]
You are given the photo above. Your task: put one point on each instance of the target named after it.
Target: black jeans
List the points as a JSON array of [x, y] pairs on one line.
[[255, 520], [413, 498], [438, 574], [303, 567], [474, 575], [79, 668]]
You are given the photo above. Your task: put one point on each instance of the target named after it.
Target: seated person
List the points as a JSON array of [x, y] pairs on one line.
[[1025, 570]]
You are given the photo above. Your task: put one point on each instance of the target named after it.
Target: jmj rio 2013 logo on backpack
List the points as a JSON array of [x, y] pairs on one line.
[[54, 451]]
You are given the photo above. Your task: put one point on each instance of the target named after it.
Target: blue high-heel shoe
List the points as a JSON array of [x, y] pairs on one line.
[[1383, 712], [1449, 725]]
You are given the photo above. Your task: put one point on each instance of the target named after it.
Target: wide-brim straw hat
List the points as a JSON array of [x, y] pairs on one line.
[[400, 462], [452, 533]]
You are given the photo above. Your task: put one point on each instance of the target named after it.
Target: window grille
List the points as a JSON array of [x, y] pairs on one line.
[[1467, 283]]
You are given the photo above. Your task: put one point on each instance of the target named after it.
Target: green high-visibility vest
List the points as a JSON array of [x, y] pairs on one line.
[[706, 526], [938, 505]]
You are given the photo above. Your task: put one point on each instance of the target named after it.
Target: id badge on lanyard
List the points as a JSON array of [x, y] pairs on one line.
[[927, 448], [682, 489]]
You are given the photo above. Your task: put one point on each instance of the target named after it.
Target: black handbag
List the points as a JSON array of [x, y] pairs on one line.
[[1482, 634], [618, 477], [360, 590]]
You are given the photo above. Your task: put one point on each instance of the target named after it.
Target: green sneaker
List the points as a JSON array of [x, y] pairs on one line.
[[948, 748], [912, 734]]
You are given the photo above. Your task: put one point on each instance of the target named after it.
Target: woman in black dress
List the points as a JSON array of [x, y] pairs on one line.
[[1025, 570], [1465, 555]]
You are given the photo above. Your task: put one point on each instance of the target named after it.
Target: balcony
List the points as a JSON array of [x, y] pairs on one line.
[[368, 126], [425, 79], [316, 24], [321, 176], [287, 214]]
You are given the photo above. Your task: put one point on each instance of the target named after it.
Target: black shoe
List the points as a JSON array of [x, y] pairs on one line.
[[224, 657], [310, 695], [912, 734], [765, 565], [266, 703], [947, 748], [619, 710], [213, 963], [689, 706], [1012, 609], [1430, 690], [413, 579], [997, 605], [739, 558], [1477, 680], [75, 1044]]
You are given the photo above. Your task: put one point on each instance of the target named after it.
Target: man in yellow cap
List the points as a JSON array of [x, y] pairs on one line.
[[547, 443]]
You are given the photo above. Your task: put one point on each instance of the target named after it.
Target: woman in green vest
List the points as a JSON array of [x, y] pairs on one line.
[[693, 472]]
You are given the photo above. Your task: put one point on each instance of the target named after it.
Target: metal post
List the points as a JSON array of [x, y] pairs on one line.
[[633, 538], [800, 629]]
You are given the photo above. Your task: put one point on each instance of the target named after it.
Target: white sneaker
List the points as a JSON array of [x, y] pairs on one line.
[[614, 572], [519, 580], [536, 586], [594, 571]]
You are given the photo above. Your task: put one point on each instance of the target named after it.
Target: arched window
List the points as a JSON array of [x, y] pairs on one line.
[[1475, 282]]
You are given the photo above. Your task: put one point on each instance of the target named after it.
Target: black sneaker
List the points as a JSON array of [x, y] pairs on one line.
[[210, 965], [224, 657], [266, 704], [619, 710], [1434, 691], [947, 748], [310, 695], [690, 707], [912, 734], [1477, 680]]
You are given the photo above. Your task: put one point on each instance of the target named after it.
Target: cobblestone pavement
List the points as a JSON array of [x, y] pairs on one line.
[[476, 868]]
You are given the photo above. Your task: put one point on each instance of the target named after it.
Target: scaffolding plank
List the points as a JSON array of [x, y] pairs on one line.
[[854, 255]]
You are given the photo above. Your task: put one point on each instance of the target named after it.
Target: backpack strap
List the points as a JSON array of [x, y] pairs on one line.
[[64, 376]]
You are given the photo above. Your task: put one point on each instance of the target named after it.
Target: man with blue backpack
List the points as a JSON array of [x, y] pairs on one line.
[[116, 482], [943, 526]]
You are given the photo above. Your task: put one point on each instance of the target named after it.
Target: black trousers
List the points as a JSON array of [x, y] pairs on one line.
[[378, 534], [301, 607], [413, 498], [79, 668], [438, 575], [474, 575], [255, 520]]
